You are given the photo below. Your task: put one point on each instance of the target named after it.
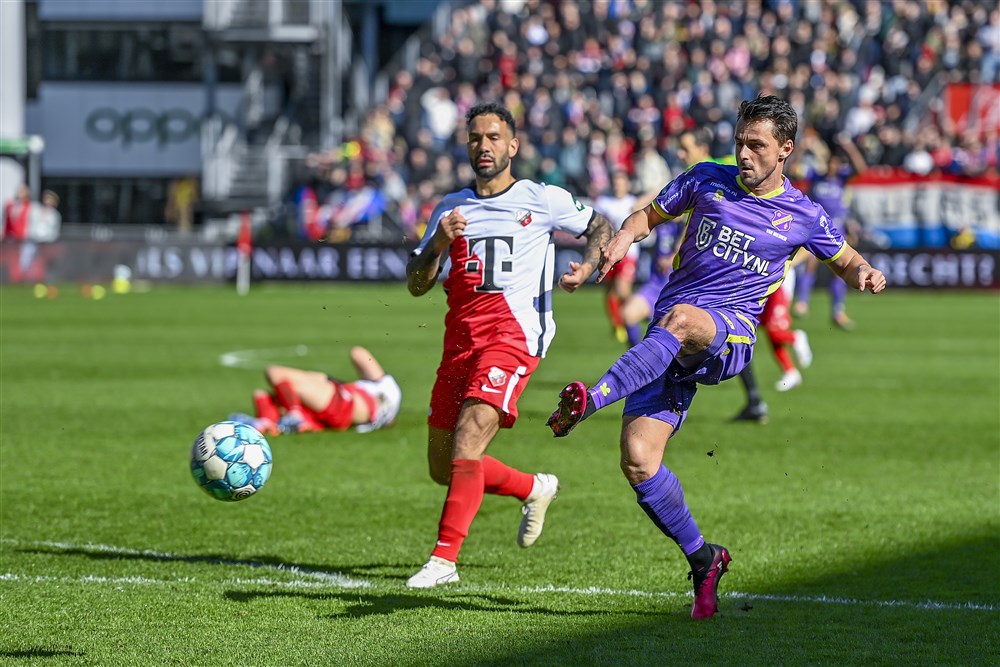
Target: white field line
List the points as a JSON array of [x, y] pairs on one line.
[[318, 579], [146, 581], [818, 599], [334, 579], [257, 360]]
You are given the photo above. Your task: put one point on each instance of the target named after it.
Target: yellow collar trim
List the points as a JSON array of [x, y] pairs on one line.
[[773, 193]]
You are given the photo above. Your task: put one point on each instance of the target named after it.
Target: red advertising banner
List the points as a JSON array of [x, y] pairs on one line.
[[973, 107]]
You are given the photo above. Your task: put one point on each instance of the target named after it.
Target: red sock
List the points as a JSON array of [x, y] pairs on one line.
[[784, 359], [286, 396], [264, 406], [465, 495], [614, 305], [502, 480], [780, 336]]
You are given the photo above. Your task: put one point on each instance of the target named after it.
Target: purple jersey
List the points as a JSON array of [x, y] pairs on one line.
[[736, 245], [667, 234], [830, 192]]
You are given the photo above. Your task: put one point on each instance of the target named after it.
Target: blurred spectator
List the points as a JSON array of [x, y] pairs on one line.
[[602, 86], [16, 213], [181, 200], [45, 220]]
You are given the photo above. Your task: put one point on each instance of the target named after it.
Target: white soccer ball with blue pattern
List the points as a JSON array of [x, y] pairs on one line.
[[230, 460]]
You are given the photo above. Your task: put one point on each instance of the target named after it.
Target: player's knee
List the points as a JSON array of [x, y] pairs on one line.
[[272, 374], [636, 467], [636, 472]]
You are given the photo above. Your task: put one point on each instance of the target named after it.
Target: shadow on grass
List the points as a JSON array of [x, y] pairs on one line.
[[267, 562], [938, 606], [381, 604], [28, 653]]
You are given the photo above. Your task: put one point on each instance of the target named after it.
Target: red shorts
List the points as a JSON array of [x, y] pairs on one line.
[[776, 315], [494, 375], [624, 269], [339, 414]]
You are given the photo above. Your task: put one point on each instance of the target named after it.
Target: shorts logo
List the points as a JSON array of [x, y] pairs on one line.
[[781, 221], [605, 389], [497, 376], [523, 217]]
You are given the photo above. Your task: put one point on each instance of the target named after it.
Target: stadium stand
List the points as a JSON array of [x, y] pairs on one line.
[[599, 86]]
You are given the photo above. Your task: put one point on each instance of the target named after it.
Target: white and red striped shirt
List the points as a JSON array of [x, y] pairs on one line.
[[499, 275]]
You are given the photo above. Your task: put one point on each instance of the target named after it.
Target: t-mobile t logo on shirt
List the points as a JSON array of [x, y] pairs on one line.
[[491, 261]]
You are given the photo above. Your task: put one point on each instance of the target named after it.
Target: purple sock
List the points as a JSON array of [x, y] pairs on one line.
[[636, 368], [634, 334], [804, 286], [662, 498], [838, 294]]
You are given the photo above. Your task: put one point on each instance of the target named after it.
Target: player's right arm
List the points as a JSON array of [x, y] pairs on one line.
[[425, 262], [636, 227], [672, 202]]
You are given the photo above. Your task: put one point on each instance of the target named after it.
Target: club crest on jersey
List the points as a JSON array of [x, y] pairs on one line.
[[782, 221], [523, 217], [497, 376]]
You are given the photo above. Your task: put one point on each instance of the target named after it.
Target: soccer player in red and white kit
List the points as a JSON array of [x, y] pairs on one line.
[[492, 244]]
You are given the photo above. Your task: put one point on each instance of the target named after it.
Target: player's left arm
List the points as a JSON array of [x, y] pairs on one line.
[[856, 271], [598, 234]]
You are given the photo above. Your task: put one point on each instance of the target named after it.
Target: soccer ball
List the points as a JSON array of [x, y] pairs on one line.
[[230, 460]]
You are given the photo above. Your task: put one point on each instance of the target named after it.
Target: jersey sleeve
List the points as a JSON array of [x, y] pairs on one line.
[[826, 241], [678, 195], [567, 212], [442, 209]]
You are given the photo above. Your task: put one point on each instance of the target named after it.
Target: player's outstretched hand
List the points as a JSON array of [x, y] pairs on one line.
[[613, 252], [577, 275], [871, 279]]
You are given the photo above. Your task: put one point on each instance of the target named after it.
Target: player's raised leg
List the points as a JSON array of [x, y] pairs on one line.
[[684, 328], [366, 364]]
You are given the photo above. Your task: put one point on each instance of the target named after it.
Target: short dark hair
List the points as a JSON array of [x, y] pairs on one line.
[[702, 136], [778, 111], [491, 109]]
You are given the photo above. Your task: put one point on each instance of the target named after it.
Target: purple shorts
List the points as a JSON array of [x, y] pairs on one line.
[[650, 291], [668, 398]]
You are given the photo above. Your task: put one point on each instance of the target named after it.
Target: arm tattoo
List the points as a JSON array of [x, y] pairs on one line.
[[598, 234], [422, 271]]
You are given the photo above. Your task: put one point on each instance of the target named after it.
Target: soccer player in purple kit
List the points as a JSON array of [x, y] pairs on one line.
[[639, 307], [746, 222], [829, 190]]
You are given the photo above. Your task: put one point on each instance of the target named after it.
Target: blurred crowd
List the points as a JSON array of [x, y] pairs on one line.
[[599, 87]]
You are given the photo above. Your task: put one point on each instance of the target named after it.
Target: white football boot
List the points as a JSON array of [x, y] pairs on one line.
[[543, 492], [790, 380], [436, 572], [802, 350]]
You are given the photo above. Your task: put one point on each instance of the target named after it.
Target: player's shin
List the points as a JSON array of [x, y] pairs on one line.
[[502, 480], [635, 369], [465, 495], [662, 498]]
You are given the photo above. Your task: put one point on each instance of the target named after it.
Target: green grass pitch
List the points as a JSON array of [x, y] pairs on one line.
[[864, 520]]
